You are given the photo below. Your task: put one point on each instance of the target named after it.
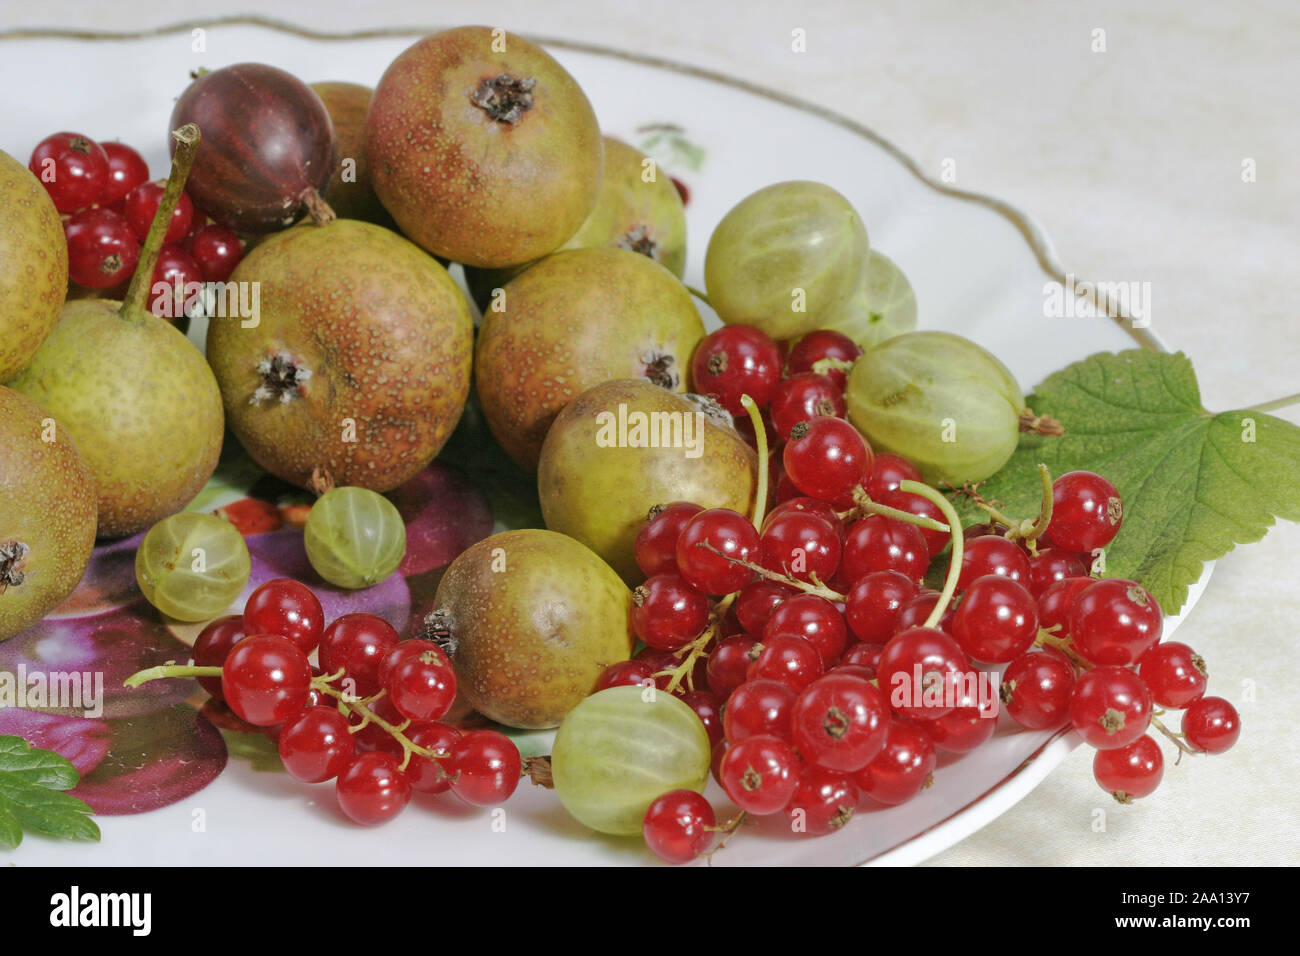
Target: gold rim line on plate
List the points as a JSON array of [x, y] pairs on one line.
[[1034, 236]]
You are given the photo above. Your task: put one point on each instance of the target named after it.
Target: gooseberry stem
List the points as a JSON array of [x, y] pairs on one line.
[[760, 439], [958, 546], [137, 293]]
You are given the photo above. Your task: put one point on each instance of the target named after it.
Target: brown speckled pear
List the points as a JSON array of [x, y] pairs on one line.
[[598, 477], [574, 320], [359, 365], [33, 265], [484, 149], [531, 618], [47, 513], [352, 197]]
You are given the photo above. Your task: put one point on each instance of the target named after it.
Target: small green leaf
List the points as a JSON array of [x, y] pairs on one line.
[[31, 797], [1194, 484], [258, 749]]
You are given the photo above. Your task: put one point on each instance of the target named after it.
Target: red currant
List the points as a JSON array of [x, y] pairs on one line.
[[823, 801], [1036, 689], [759, 707], [372, 790], [265, 679], [920, 671], [756, 602], [427, 775], [822, 344], [887, 474], [678, 826], [917, 611], [422, 686], [667, 613], [996, 621], [126, 170], [316, 745], [813, 618], [1211, 724], [485, 767], [708, 708], [217, 251], [142, 205], [1131, 772], [656, 543], [1086, 512], [788, 658], [826, 458], [1051, 565], [102, 252], [803, 397], [728, 664], [1110, 707], [1176, 674], [878, 543], [733, 361], [1054, 604], [72, 168], [804, 505], [1114, 622], [760, 774], [213, 646], [176, 269], [708, 541], [864, 655], [903, 767], [286, 608], [873, 604], [935, 541], [800, 545], [969, 724], [625, 673], [357, 644], [990, 554], [839, 722]]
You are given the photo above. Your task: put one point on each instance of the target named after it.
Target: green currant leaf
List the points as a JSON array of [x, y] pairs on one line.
[[1194, 484], [31, 797]]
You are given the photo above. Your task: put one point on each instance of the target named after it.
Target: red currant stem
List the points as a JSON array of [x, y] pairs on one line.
[[1275, 404], [1177, 739], [863, 506], [728, 830], [137, 293], [1044, 518], [958, 544], [1063, 645], [699, 295], [695, 649], [368, 716], [169, 670], [828, 364], [817, 588], [760, 438]]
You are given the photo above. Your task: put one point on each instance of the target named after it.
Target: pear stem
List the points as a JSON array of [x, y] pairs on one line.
[[137, 293]]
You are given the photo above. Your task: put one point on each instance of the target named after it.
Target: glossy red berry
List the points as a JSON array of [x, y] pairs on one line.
[[213, 646], [708, 708], [485, 767], [935, 541], [428, 775], [372, 790], [1036, 689], [102, 252], [73, 169], [813, 618], [142, 205], [1055, 603], [922, 671], [287, 608], [917, 611], [1211, 724], [801, 545], [757, 600], [217, 251], [1051, 565], [787, 658], [357, 644], [826, 458], [678, 826], [802, 504], [1114, 622], [822, 344], [760, 774], [903, 767], [126, 170], [997, 620], [667, 613], [839, 722], [878, 543], [1086, 512], [316, 745], [887, 473], [803, 397], [176, 270], [823, 801], [728, 664], [1176, 674], [655, 547], [625, 673], [990, 554], [710, 544], [969, 724], [1110, 707], [1131, 772], [874, 602], [759, 707], [736, 360], [422, 686], [265, 679]]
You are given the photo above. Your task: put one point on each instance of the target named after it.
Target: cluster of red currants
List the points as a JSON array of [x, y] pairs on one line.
[[833, 674], [368, 717], [108, 203]]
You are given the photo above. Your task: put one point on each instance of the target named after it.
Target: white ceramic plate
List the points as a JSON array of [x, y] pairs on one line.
[[979, 268]]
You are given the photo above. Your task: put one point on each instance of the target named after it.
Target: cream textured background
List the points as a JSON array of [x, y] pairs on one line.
[[1131, 160]]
